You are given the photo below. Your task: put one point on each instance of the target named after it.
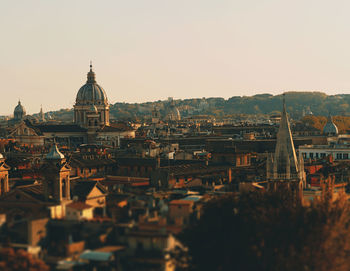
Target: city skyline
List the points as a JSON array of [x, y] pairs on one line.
[[154, 50]]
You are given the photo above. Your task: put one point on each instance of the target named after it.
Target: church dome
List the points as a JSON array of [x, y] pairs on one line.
[[330, 128], [91, 92], [19, 111]]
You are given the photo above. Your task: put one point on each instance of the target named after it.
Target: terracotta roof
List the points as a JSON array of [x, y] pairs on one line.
[[115, 128], [181, 202], [79, 205], [201, 169], [80, 162], [60, 128], [83, 188], [35, 190]]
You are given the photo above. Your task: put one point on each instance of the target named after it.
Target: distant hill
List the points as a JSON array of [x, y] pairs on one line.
[[297, 103]]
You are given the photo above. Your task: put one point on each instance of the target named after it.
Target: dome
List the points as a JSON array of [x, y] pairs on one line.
[[19, 111], [91, 92], [330, 128], [54, 154]]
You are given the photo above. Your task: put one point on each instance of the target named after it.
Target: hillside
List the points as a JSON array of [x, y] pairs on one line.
[[297, 102]]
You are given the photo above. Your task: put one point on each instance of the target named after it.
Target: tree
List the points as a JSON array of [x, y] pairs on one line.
[[267, 231], [20, 260]]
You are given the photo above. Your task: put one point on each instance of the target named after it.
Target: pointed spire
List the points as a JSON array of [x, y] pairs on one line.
[[41, 113], [285, 160], [91, 65]]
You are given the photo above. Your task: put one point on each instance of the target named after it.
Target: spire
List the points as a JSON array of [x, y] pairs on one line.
[[41, 113], [285, 159], [91, 75]]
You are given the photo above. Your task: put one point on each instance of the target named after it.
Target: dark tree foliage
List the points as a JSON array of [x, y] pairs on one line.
[[267, 231], [297, 102], [20, 260]]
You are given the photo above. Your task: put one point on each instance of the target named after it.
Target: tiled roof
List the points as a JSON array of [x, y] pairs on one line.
[[79, 205], [194, 169], [36, 191], [60, 128], [80, 162], [115, 128], [83, 188]]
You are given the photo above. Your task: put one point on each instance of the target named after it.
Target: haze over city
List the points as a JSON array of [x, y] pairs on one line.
[[151, 50]]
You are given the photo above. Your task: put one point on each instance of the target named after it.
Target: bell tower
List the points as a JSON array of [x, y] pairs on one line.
[[56, 176]]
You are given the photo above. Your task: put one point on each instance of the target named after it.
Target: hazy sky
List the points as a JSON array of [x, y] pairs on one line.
[[148, 50]]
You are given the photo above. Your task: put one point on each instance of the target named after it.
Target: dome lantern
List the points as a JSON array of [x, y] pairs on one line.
[[91, 75]]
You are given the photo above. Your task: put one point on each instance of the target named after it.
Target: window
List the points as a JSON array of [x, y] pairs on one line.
[[64, 188], [17, 217], [339, 156], [2, 183], [316, 155], [345, 156], [311, 155]]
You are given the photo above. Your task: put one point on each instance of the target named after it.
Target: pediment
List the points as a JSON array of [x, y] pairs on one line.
[[95, 192], [23, 130], [18, 196]]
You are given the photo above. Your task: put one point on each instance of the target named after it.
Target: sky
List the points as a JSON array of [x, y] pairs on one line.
[[148, 50]]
